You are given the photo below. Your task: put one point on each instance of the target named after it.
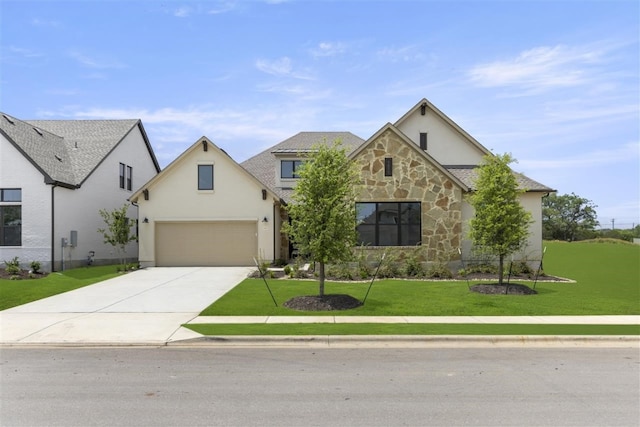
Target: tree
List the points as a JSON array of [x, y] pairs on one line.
[[501, 224], [118, 232], [323, 218], [568, 217]]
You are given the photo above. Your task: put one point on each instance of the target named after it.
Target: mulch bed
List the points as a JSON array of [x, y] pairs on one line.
[[323, 303], [23, 274], [510, 289]]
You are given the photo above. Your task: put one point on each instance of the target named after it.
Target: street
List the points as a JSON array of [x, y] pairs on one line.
[[203, 386]]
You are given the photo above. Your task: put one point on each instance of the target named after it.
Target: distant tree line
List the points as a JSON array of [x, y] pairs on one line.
[[572, 218]]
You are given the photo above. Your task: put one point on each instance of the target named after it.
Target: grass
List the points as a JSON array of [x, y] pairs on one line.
[[18, 292], [411, 329], [607, 279]]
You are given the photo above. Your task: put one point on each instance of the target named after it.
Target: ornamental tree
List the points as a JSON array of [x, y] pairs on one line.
[[323, 218], [501, 224], [118, 232]]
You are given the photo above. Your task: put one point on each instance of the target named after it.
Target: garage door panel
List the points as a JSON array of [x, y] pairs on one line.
[[215, 243]]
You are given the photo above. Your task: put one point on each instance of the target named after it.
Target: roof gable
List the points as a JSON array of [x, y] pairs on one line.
[[412, 146], [205, 144], [66, 152]]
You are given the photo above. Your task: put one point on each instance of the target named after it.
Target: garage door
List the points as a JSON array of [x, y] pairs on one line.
[[214, 243]]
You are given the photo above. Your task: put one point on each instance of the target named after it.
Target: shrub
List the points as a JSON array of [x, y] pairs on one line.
[[287, 270], [35, 267], [12, 267], [439, 270], [413, 268]]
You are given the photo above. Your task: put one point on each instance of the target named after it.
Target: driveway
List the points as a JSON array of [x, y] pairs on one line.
[[142, 307]]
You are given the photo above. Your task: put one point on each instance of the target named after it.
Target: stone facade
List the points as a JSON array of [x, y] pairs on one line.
[[414, 179]]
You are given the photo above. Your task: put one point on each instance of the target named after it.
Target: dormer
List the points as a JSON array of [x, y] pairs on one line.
[[288, 162]]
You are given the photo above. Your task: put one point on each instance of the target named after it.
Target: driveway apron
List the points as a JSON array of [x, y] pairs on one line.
[[142, 307]]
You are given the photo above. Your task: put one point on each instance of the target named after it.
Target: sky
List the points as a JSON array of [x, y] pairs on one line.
[[554, 83]]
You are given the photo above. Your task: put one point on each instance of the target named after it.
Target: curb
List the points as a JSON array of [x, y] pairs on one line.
[[413, 341]]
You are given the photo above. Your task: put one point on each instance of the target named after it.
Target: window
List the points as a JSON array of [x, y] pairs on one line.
[[126, 177], [389, 224], [10, 217], [388, 166], [122, 169], [205, 177], [288, 168], [129, 177], [423, 140]]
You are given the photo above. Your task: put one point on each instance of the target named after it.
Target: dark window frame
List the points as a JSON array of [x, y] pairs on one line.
[[204, 185], [390, 224], [129, 177], [423, 140], [388, 166], [5, 230], [295, 165], [122, 175]]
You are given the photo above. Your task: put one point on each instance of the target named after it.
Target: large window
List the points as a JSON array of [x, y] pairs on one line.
[[205, 177], [389, 224], [288, 168], [10, 217]]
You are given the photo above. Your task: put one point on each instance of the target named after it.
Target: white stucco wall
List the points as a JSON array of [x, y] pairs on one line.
[[444, 143], [175, 197], [533, 248], [17, 172], [79, 209]]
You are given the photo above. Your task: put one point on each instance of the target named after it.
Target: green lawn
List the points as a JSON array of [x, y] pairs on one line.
[[18, 292], [607, 279]]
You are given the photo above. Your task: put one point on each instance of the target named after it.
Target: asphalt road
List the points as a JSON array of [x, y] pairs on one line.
[[319, 387]]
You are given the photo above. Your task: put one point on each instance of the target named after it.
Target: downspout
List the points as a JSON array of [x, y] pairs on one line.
[[53, 222], [274, 233]]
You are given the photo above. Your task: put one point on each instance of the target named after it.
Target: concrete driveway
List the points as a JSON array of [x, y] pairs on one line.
[[142, 307]]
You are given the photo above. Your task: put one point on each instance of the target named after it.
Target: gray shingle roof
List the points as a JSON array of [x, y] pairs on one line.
[[468, 174], [66, 151], [263, 165]]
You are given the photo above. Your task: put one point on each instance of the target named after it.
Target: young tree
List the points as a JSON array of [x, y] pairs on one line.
[[567, 217], [118, 232], [323, 219], [501, 224]]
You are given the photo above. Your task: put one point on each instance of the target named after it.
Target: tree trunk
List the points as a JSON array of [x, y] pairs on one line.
[[501, 269], [321, 278]]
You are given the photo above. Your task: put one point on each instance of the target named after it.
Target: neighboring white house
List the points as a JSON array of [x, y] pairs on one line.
[[55, 176], [204, 209]]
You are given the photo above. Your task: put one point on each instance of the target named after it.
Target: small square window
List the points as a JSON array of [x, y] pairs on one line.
[[205, 177]]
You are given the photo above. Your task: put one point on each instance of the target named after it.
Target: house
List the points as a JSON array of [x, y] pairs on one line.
[[55, 176], [204, 209], [414, 175]]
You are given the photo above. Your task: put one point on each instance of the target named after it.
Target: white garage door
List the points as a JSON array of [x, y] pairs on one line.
[[213, 243]]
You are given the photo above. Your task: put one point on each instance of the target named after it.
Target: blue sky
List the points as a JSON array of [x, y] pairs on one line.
[[554, 83]]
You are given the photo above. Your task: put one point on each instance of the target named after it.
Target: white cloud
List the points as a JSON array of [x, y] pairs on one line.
[[624, 153], [328, 49], [407, 53], [37, 22], [25, 53], [281, 67], [182, 12], [94, 62], [540, 68]]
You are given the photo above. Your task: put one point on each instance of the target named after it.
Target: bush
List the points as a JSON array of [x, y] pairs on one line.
[[413, 268], [287, 270], [439, 271], [12, 267], [35, 267]]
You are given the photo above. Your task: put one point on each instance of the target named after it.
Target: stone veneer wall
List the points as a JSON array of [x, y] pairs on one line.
[[414, 179]]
